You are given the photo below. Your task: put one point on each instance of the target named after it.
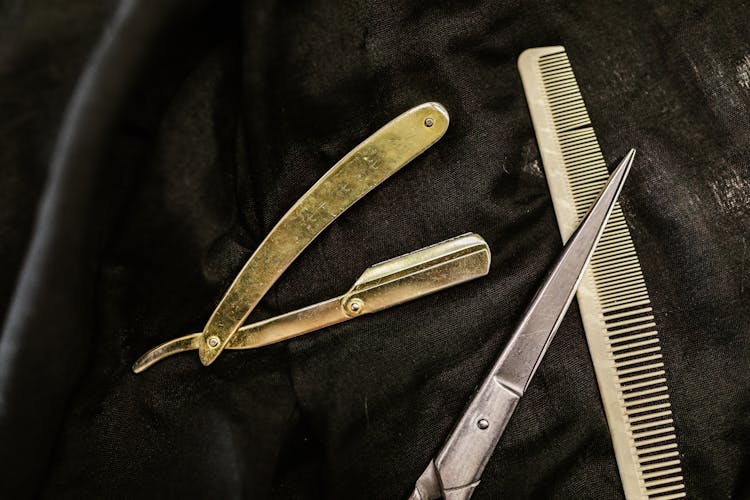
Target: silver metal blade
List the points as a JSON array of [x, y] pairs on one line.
[[529, 342], [457, 469]]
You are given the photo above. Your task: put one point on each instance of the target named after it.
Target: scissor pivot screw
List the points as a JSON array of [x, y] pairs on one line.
[[429, 121], [213, 341], [483, 423]]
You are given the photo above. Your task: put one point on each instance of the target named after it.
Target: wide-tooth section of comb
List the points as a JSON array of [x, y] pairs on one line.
[[618, 318]]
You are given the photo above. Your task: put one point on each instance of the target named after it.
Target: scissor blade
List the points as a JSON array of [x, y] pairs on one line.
[[457, 469], [529, 342]]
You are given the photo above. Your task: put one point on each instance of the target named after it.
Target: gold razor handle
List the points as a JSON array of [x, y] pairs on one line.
[[373, 161]]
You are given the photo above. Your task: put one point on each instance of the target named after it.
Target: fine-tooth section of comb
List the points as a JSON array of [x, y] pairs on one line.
[[620, 327]]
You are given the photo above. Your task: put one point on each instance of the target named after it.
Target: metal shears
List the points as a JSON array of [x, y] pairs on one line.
[[456, 470]]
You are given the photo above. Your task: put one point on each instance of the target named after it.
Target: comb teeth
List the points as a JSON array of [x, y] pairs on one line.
[[614, 301]]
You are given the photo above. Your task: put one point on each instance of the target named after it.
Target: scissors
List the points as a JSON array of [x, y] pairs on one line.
[[456, 470]]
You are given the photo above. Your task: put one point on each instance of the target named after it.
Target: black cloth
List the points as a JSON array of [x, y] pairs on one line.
[[146, 148]]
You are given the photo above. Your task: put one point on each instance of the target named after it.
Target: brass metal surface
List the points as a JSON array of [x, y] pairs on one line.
[[373, 161], [383, 285]]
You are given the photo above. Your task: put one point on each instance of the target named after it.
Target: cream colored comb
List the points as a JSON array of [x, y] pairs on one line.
[[613, 298]]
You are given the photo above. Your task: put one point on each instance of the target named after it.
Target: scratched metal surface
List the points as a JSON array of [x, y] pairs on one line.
[[195, 128]]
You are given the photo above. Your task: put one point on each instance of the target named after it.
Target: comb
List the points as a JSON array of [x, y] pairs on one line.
[[615, 306]]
